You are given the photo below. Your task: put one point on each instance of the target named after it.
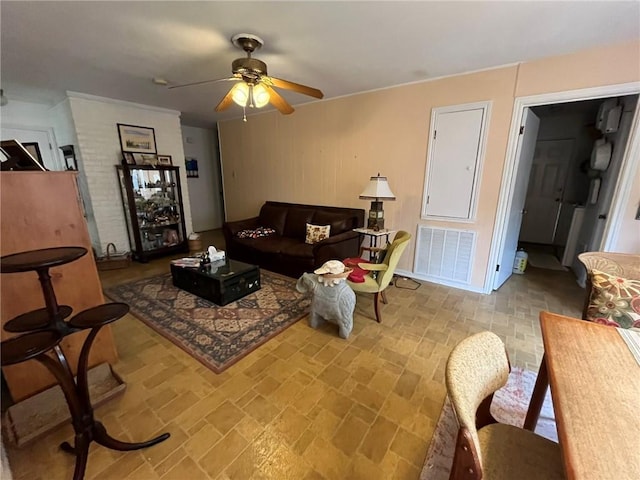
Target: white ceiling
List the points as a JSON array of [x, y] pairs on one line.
[[114, 49]]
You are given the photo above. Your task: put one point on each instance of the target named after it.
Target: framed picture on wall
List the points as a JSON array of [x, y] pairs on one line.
[[137, 139], [164, 160], [191, 167]]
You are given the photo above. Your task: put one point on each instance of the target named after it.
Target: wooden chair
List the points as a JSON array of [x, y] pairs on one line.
[[384, 271], [477, 367]]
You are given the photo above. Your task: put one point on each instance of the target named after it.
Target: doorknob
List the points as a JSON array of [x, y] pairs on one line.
[[524, 212], [602, 216]]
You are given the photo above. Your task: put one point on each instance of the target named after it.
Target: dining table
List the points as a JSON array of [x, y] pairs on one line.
[[595, 389]]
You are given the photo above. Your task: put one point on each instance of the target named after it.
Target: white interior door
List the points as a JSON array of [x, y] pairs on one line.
[[524, 159], [544, 194]]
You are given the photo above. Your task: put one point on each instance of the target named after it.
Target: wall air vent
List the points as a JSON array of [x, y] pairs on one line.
[[445, 254]]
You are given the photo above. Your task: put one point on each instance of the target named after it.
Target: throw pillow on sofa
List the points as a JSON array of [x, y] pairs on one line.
[[614, 300], [257, 233], [317, 233]]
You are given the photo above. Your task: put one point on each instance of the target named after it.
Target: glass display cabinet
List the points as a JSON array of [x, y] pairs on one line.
[[152, 201]]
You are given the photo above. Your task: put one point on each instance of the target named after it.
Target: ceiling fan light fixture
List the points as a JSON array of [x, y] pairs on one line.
[[260, 96], [255, 88], [247, 95], [240, 94]]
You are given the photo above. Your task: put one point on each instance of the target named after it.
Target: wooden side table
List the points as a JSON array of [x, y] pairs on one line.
[[45, 328], [52, 316], [375, 237]]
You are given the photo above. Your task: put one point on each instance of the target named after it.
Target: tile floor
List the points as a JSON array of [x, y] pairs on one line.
[[307, 404]]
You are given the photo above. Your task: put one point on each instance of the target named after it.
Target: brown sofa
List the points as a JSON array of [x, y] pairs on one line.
[[286, 251]]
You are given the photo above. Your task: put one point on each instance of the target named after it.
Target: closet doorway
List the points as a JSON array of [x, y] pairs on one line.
[[569, 206]]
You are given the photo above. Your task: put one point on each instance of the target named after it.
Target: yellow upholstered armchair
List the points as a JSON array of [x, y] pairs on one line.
[[383, 271]]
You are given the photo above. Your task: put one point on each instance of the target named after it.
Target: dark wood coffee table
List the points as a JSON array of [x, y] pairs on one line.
[[219, 282]]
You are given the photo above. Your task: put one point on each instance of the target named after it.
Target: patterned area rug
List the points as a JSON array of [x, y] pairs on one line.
[[509, 406], [216, 336]]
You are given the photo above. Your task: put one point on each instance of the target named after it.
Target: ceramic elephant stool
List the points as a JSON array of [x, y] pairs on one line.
[[334, 303]]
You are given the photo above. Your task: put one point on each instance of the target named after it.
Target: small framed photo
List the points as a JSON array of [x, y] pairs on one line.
[[145, 159], [136, 139], [127, 158], [164, 160]]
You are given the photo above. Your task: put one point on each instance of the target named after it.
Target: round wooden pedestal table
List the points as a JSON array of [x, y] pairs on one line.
[[41, 261], [36, 345], [35, 320], [28, 346], [43, 345]]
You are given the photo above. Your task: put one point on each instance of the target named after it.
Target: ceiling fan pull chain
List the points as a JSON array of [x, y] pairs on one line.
[[251, 105], [244, 114]]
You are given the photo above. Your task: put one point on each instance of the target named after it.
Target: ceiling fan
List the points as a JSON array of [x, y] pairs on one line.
[[255, 88]]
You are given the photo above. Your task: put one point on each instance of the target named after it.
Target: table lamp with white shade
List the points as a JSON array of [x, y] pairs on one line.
[[377, 190]]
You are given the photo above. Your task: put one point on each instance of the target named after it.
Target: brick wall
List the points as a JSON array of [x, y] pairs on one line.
[[65, 132], [95, 120]]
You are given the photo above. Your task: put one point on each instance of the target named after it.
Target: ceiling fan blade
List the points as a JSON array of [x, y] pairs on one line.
[[202, 82], [296, 87], [277, 101], [226, 102]]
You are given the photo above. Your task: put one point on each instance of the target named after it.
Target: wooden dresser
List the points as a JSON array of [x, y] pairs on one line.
[[42, 210]]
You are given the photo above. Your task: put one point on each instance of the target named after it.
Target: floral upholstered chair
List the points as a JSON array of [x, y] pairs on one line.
[[613, 289]]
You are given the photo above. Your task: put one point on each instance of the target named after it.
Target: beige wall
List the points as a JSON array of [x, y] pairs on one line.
[[325, 152], [590, 68]]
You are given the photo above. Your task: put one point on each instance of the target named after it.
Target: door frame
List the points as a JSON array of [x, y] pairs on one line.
[[630, 165]]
